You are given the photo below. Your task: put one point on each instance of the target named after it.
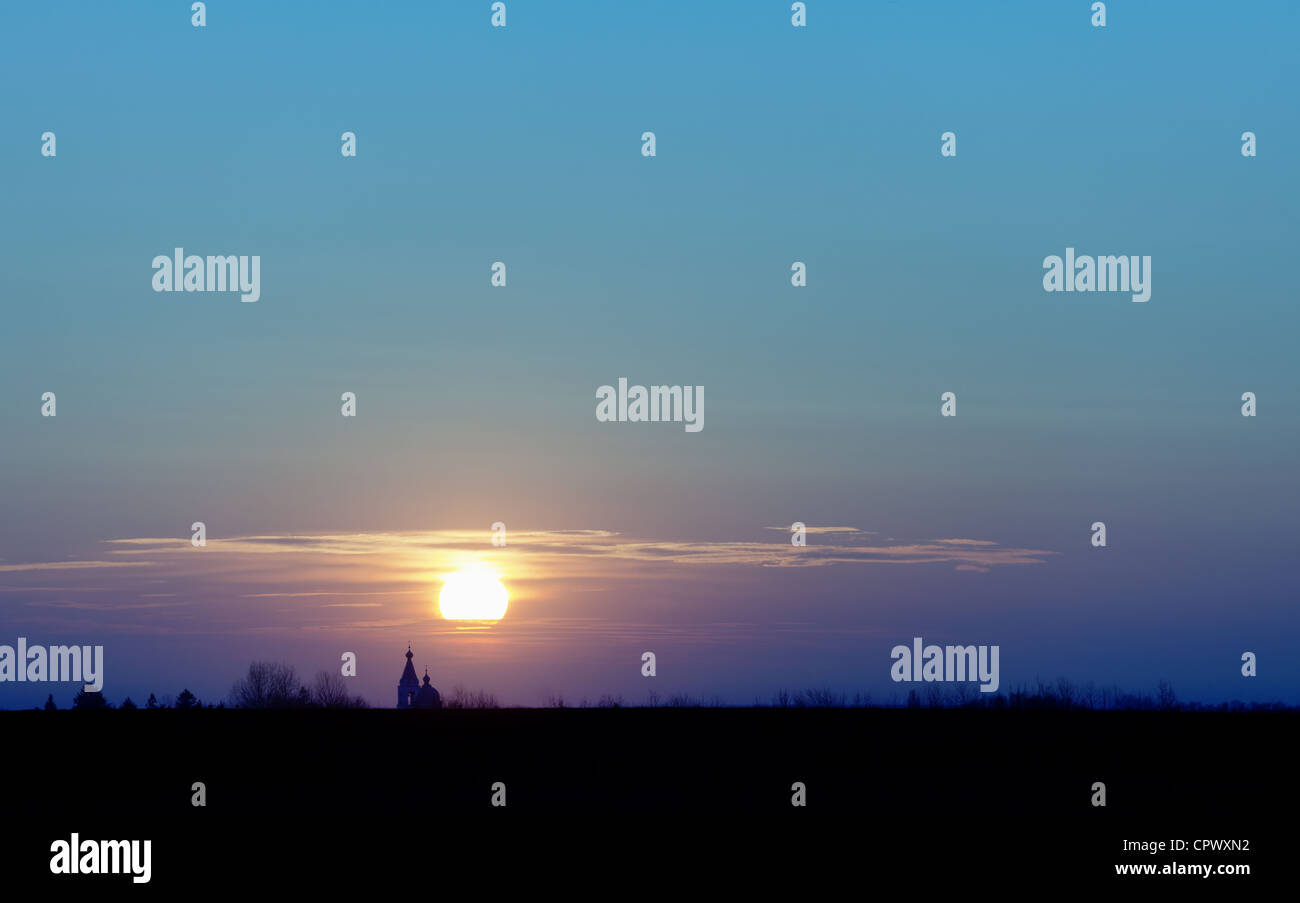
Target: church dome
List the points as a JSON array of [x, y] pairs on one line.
[[427, 697]]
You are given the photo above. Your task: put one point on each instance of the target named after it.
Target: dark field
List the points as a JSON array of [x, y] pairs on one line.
[[893, 791]]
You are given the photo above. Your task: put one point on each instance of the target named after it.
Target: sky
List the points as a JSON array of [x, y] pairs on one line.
[[476, 404]]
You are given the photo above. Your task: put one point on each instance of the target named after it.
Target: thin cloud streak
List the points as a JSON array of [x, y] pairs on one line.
[[71, 565], [407, 550]]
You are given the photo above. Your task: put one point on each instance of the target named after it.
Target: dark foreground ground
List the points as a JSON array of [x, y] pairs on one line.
[[986, 798]]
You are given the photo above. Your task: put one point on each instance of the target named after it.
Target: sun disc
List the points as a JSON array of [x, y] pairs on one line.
[[473, 596]]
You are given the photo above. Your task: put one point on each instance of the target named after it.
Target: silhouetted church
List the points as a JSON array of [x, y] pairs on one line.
[[411, 694]]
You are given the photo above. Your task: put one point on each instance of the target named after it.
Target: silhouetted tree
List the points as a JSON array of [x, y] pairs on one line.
[[964, 695], [49, 704], [330, 691], [464, 698], [127, 704], [1067, 692], [89, 701], [819, 698], [269, 685], [152, 703], [187, 700]]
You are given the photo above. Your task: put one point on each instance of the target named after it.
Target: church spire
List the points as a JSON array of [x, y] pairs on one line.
[[409, 683]]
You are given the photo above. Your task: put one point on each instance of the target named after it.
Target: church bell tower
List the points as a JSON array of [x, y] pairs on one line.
[[409, 685]]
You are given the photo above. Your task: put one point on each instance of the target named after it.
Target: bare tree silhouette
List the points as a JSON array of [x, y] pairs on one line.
[[330, 691], [268, 685], [464, 698]]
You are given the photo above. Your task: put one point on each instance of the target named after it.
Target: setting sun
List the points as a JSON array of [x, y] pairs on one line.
[[473, 596]]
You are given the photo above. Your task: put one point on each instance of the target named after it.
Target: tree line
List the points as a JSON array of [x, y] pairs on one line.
[[267, 685], [274, 685]]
